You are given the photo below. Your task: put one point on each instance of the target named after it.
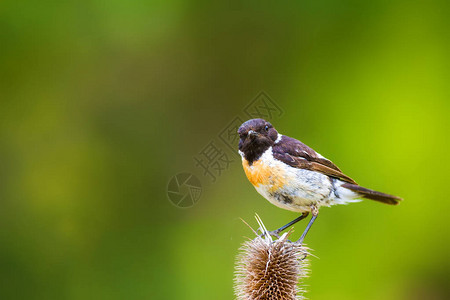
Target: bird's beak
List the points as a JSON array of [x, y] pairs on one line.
[[252, 133]]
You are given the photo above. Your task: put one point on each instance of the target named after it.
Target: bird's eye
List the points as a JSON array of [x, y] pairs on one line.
[[266, 128]]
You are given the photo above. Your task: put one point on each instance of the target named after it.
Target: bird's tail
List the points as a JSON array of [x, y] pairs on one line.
[[373, 195]]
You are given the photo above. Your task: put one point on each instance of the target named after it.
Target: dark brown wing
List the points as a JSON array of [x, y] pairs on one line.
[[298, 155]]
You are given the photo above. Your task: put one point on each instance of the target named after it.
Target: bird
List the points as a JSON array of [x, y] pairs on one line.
[[293, 176]]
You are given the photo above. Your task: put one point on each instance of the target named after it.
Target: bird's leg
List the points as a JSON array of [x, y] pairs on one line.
[[315, 213], [276, 233]]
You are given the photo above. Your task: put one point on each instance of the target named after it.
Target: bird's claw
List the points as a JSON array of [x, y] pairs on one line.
[[274, 233]]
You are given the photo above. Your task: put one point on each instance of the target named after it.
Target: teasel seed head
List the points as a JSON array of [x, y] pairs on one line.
[[270, 269]]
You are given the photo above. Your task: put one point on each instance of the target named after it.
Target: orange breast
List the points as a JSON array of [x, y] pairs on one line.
[[260, 173]]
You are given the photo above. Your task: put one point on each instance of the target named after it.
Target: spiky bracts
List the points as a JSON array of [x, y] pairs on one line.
[[269, 270]]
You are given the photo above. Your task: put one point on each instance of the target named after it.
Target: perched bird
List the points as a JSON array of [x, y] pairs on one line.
[[293, 176]]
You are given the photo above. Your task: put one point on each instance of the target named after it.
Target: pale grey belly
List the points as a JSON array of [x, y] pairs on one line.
[[302, 189]]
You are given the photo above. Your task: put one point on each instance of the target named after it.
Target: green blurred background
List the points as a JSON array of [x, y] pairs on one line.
[[102, 102]]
